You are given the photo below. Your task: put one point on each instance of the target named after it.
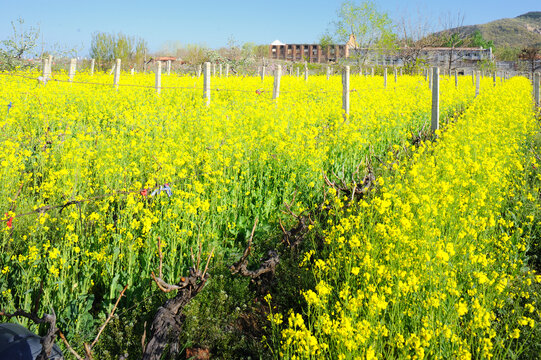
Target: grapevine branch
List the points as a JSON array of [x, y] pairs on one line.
[[167, 323]]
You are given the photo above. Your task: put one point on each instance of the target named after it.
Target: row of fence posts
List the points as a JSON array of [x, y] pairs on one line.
[[432, 75]]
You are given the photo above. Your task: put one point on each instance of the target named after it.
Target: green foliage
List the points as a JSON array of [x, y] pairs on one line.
[[106, 47], [195, 54], [217, 319], [511, 32], [372, 29], [325, 41], [506, 53], [477, 40], [19, 45], [487, 66]]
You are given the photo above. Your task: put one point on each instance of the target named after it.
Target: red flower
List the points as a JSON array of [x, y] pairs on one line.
[[9, 221], [144, 192]]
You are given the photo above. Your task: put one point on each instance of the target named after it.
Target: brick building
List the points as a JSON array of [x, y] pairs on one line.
[[313, 53]]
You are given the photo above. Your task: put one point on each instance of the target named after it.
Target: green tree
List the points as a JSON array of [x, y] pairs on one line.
[[372, 29], [21, 44], [325, 41], [477, 40], [102, 48], [106, 47], [532, 56], [506, 53], [124, 47], [141, 51]]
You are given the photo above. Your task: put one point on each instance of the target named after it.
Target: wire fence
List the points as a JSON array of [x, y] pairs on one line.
[[150, 192], [257, 91]]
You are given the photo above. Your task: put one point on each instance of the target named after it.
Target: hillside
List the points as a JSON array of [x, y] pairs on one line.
[[518, 32]]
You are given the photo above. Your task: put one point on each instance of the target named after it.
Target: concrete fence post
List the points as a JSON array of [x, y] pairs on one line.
[[158, 82], [477, 83], [117, 73], [537, 79], [276, 88], [206, 83], [44, 69], [345, 91], [435, 99], [73, 66]]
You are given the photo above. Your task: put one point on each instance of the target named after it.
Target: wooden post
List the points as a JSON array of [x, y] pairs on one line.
[[199, 69], [92, 64], [537, 79], [400, 71], [168, 67], [328, 72], [220, 69], [226, 70], [132, 71], [298, 72], [372, 72], [158, 83], [73, 65], [494, 78], [456, 79], [206, 82], [477, 83], [345, 91], [306, 74], [385, 77], [435, 99], [276, 88], [395, 74], [263, 70], [117, 73]]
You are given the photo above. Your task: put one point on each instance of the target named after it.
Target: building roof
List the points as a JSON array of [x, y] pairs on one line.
[[277, 42], [165, 58]]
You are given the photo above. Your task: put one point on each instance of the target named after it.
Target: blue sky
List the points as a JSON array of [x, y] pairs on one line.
[[213, 22]]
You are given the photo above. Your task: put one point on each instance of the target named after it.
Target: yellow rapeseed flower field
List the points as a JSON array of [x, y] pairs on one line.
[[430, 267], [93, 176]]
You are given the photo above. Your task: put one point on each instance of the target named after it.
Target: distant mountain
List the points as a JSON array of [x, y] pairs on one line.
[[518, 32]]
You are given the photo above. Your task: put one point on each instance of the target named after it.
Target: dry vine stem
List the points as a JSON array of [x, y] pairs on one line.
[[356, 191], [166, 326], [47, 341], [294, 237], [269, 265], [88, 348]]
